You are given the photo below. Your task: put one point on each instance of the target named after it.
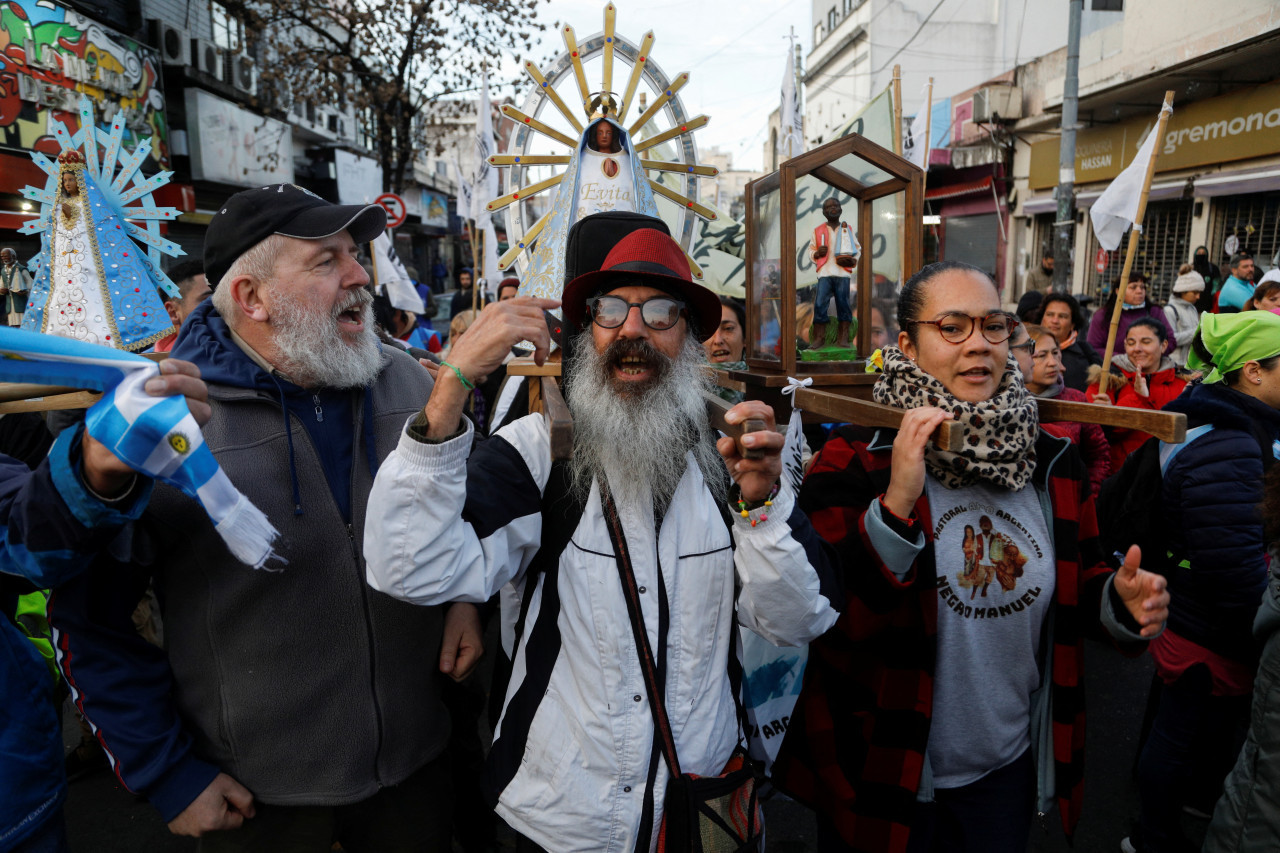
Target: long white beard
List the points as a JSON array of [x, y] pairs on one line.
[[640, 440], [314, 350]]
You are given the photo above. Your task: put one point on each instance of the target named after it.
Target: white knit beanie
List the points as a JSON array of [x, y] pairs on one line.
[[1188, 281]]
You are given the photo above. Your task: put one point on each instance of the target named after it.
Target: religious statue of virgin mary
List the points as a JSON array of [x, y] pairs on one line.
[[604, 173], [95, 280]]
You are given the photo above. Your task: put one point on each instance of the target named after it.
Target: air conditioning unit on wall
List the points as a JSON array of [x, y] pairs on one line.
[[207, 57], [991, 102], [174, 43], [242, 73]]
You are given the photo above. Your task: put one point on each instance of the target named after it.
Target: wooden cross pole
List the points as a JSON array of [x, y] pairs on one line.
[[1132, 251], [26, 397]]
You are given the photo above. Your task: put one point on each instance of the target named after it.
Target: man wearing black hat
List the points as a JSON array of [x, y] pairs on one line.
[[574, 765], [294, 708]]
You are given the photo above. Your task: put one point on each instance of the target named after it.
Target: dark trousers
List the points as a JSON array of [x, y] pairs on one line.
[[1174, 763], [991, 815], [412, 817], [51, 837]]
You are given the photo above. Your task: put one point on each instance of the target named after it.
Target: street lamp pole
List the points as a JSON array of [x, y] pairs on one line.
[[1064, 227]]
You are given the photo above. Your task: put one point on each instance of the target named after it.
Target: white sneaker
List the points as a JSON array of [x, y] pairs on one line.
[[1126, 846]]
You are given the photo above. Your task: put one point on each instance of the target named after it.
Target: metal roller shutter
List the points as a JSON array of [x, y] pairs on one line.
[[972, 239], [1254, 220], [1164, 246]]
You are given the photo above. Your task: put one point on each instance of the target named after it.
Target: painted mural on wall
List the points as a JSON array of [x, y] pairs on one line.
[[50, 56]]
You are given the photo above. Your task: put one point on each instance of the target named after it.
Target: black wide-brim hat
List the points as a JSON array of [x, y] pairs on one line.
[[251, 216], [648, 257]]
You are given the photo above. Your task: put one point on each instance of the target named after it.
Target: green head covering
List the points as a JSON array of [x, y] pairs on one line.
[[1226, 342]]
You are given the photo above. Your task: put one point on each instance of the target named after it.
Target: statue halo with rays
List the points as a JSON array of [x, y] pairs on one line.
[[537, 242], [116, 253]]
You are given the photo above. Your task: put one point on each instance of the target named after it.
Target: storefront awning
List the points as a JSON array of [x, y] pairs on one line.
[[958, 190]]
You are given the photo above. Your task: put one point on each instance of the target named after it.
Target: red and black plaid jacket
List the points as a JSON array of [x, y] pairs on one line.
[[854, 749]]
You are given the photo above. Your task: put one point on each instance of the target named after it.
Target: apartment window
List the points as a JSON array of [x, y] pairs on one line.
[[1107, 6], [228, 30], [849, 6], [817, 33], [831, 20]]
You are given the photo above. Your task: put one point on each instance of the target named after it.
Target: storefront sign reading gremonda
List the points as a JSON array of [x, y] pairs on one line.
[[1238, 126]]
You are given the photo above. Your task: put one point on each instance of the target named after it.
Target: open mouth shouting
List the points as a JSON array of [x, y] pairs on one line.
[[634, 364], [350, 315]]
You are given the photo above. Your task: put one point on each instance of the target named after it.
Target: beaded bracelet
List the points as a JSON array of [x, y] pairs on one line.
[[466, 383], [768, 502]]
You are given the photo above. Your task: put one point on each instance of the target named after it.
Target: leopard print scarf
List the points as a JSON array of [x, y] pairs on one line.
[[1000, 433]]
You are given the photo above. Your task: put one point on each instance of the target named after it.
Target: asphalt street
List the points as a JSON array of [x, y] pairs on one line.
[[104, 818]]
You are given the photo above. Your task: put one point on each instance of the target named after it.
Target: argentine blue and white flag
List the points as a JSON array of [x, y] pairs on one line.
[[156, 436]]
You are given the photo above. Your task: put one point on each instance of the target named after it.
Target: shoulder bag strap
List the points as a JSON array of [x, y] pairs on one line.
[[661, 723]]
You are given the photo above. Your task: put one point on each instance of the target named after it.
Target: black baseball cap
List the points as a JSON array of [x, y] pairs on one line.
[[251, 216]]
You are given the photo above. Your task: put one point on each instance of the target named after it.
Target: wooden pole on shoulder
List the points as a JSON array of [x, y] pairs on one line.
[[1132, 251]]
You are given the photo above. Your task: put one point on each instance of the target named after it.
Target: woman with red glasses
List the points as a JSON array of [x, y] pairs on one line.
[[935, 716]]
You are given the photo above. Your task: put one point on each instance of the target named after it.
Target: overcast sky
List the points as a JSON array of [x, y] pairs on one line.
[[734, 51]]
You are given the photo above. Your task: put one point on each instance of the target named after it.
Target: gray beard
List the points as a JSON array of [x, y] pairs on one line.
[[314, 353], [640, 440]]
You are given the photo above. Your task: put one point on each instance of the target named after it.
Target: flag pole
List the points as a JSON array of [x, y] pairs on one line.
[[928, 126], [1132, 251], [897, 149], [475, 263]]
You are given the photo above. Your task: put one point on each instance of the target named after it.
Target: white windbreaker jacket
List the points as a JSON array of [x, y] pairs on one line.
[[571, 757]]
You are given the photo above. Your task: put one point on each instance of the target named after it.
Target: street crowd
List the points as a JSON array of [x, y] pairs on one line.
[[945, 596]]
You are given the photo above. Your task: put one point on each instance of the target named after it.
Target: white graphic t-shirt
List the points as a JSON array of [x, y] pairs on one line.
[[995, 568]]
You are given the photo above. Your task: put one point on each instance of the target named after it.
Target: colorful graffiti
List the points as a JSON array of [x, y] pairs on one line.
[[49, 56]]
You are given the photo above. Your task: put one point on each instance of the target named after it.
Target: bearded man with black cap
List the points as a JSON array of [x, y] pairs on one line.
[[575, 764], [294, 708]]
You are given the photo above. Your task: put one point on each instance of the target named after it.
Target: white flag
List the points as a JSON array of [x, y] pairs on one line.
[[463, 205], [791, 133], [1117, 208], [393, 278], [486, 177], [914, 146]]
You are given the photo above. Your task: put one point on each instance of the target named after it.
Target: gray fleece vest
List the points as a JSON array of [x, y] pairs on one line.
[[306, 685]]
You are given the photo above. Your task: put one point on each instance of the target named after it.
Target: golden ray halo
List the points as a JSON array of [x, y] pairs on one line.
[[522, 230]]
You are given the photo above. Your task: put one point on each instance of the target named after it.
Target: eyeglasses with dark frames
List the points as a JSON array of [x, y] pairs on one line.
[[956, 328], [659, 313]]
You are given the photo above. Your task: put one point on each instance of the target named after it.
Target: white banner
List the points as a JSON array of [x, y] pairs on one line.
[[231, 145], [393, 279], [791, 134], [485, 188], [1117, 208], [914, 145], [359, 178]]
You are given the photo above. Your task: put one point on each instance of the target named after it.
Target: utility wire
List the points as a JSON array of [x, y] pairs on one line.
[[908, 42]]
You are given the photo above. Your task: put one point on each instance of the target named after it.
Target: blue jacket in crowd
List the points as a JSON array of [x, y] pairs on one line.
[[1212, 490], [51, 527]]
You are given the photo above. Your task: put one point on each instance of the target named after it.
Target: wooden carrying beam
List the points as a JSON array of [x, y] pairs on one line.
[[948, 436], [556, 413], [1170, 427], [717, 408]]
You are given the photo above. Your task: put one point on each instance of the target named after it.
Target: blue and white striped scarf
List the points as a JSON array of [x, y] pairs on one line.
[[156, 436]]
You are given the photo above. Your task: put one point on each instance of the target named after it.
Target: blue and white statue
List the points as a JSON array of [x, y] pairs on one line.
[[94, 280]]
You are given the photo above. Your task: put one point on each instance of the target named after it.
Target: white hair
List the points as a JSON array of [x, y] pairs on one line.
[[312, 349], [259, 263], [640, 440]]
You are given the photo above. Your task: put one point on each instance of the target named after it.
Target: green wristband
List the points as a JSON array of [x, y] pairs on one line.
[[470, 386]]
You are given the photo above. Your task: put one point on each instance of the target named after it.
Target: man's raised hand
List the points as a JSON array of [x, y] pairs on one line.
[[755, 477]]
